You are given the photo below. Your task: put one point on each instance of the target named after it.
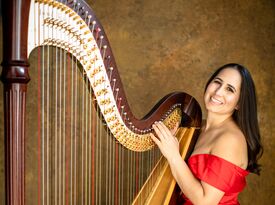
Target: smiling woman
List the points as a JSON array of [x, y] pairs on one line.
[[245, 115], [222, 93], [229, 143]]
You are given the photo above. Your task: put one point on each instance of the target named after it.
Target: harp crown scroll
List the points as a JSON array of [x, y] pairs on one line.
[[73, 27]]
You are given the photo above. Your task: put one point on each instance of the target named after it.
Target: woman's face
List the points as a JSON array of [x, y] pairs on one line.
[[223, 92]]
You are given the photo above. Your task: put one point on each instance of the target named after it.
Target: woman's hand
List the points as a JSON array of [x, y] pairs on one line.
[[167, 143]]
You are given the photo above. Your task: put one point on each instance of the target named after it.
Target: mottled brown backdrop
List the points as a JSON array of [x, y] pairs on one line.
[[163, 46]]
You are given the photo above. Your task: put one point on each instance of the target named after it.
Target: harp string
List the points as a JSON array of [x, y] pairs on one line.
[[86, 143], [45, 77], [76, 131], [64, 59], [82, 140], [61, 130], [91, 179], [97, 160], [68, 132], [56, 126], [118, 155], [100, 158], [93, 154], [107, 168], [65, 132], [48, 124], [60, 125], [72, 165], [89, 99], [59, 135], [39, 152]]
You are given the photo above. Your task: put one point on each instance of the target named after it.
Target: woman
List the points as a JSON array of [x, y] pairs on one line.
[[229, 143]]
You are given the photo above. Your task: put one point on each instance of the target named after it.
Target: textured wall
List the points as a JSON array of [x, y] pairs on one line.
[[163, 46]]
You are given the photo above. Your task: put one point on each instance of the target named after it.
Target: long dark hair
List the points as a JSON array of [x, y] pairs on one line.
[[246, 115]]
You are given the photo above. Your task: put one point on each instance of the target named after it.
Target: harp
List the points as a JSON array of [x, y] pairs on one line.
[[74, 139]]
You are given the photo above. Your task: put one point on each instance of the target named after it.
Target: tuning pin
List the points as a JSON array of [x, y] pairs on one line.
[[100, 43], [104, 51], [114, 80]]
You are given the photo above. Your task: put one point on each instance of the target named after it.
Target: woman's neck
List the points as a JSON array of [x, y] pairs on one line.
[[214, 120]]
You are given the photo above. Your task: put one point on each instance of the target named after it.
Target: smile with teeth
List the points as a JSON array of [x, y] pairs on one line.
[[216, 101]]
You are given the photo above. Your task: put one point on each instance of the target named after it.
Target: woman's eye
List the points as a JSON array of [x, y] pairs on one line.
[[230, 90]]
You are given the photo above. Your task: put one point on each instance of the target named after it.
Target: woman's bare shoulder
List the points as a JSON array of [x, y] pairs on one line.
[[231, 145]]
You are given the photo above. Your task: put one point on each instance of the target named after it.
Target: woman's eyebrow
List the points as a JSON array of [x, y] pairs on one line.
[[217, 78]]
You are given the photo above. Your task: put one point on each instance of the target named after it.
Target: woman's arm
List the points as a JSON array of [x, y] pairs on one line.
[[197, 191]]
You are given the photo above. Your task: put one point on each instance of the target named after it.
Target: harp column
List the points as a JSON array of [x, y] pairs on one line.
[[15, 78]]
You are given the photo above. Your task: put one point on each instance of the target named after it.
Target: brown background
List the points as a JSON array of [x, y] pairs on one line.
[[162, 46]]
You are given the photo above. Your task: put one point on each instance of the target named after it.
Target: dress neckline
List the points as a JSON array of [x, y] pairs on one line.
[[220, 158]]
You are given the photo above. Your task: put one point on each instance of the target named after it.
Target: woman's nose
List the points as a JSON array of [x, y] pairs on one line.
[[219, 91]]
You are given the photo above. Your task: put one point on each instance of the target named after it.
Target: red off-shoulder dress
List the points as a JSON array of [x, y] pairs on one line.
[[219, 173]]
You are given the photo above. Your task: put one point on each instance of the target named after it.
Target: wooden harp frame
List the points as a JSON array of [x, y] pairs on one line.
[[15, 77]]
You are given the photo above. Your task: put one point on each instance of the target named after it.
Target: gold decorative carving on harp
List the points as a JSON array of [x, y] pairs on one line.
[[83, 145]]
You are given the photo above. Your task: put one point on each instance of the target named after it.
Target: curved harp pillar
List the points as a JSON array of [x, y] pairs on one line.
[[83, 144]]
